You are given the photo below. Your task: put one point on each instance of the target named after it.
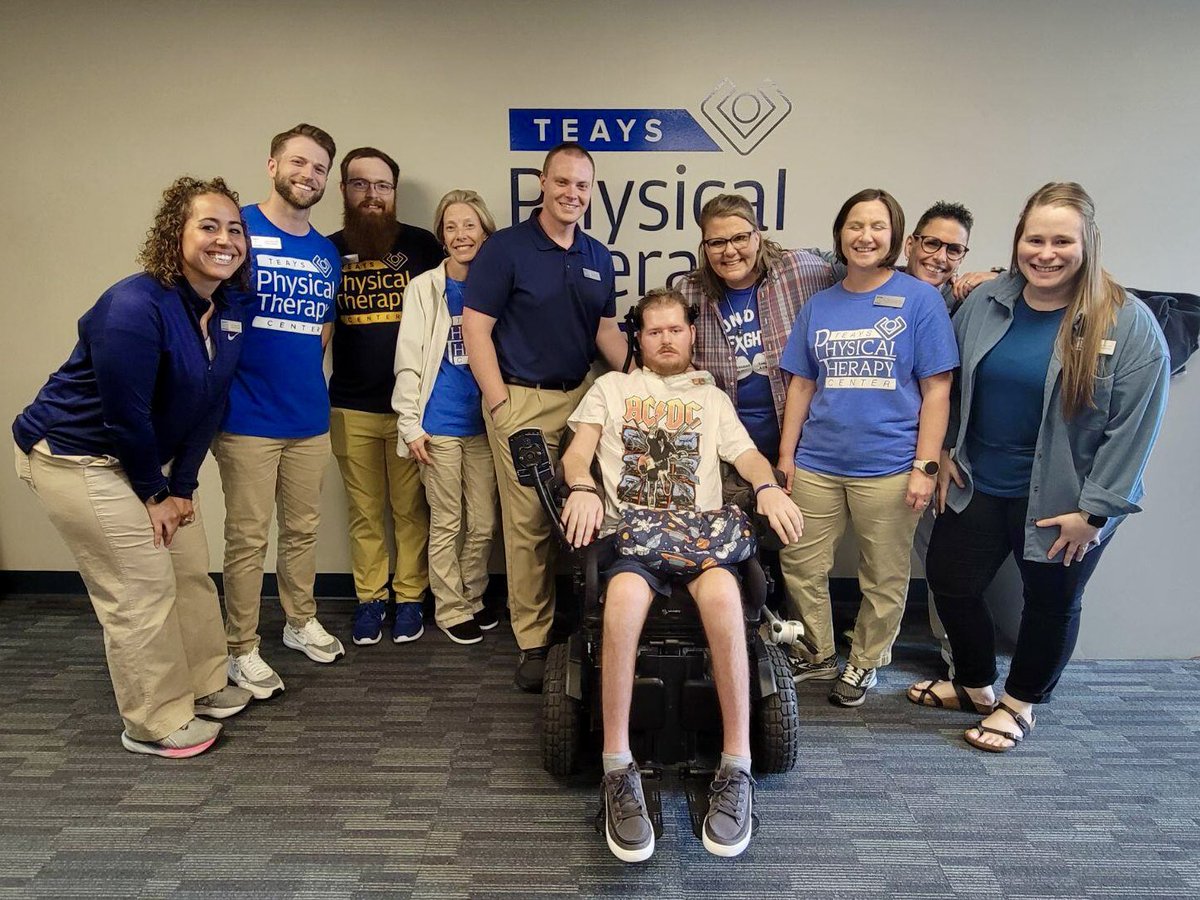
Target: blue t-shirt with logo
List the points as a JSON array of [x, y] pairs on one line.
[[1006, 407], [867, 353], [279, 390], [454, 408], [755, 404]]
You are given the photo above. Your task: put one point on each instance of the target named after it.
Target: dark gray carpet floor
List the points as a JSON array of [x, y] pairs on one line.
[[413, 770]]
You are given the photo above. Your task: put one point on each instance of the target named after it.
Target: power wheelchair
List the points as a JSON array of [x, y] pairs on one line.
[[674, 715]]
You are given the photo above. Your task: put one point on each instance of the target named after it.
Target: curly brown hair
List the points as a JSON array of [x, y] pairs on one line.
[[160, 255]]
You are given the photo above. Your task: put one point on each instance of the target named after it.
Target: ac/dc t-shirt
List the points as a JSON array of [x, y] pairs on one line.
[[755, 405], [279, 388], [369, 305], [867, 352], [661, 440]]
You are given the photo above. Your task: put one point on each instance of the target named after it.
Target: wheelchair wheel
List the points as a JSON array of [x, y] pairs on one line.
[[562, 718], [776, 731]]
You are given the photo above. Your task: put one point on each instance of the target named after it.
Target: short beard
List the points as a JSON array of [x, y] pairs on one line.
[[283, 187], [682, 363], [369, 235]]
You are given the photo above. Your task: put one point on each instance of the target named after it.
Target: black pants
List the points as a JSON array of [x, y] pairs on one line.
[[965, 552]]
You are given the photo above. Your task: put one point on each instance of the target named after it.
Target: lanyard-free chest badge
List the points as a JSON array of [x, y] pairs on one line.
[[888, 300]]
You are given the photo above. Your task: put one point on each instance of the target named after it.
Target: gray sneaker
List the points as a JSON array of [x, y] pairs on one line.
[[191, 739], [851, 688], [250, 671], [627, 825], [803, 670], [730, 820], [313, 641], [228, 701]]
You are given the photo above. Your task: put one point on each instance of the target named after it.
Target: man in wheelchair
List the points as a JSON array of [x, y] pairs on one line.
[[659, 433]]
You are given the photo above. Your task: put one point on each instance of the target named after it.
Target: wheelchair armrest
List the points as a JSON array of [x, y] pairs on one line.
[[754, 588], [531, 460]]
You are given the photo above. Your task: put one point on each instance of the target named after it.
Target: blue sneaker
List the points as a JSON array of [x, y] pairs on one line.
[[409, 624], [368, 622]]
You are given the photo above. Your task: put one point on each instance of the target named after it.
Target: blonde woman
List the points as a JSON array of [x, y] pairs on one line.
[[440, 420], [1062, 390]]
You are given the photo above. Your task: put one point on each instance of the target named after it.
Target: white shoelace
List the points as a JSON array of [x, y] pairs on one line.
[[253, 665], [315, 632]]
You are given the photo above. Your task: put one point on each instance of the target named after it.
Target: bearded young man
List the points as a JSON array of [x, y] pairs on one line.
[[380, 256], [621, 420]]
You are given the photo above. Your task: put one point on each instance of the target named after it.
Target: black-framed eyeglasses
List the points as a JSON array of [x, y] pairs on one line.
[[931, 244], [739, 241], [382, 188]]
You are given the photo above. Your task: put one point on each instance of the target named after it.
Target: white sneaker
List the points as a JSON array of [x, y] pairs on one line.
[[252, 673], [313, 641]]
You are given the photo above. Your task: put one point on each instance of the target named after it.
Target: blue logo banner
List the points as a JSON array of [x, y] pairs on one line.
[[643, 130]]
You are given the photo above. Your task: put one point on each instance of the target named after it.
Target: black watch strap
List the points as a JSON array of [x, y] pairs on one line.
[[159, 497], [1097, 521]]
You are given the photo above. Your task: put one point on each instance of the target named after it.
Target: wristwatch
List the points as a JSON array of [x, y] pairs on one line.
[[1096, 521], [159, 497], [928, 466]]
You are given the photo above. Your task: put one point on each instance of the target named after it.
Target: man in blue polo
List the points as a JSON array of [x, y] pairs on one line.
[[540, 300]]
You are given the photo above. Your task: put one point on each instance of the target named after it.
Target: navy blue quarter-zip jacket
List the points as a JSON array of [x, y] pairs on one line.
[[139, 385]]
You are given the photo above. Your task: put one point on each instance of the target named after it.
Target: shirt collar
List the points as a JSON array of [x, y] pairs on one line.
[[543, 241]]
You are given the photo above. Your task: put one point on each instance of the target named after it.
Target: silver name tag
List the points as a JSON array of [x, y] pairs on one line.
[[889, 301]]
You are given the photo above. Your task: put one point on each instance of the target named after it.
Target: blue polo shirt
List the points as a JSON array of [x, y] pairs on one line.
[[140, 384], [547, 301]]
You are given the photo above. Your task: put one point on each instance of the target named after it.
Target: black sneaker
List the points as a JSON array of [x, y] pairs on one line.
[[730, 820], [803, 670], [464, 632], [851, 688], [627, 825], [531, 667], [487, 619]]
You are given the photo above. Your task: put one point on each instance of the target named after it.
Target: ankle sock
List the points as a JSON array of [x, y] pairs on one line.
[[729, 761], [614, 762]]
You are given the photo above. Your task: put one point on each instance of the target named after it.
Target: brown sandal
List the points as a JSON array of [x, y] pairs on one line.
[[1025, 726], [961, 700]]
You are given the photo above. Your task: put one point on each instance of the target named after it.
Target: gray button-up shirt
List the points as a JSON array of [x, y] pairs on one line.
[[1094, 462]]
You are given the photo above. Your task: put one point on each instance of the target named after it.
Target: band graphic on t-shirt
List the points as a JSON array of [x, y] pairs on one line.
[[373, 290], [745, 339], [862, 357], [661, 455]]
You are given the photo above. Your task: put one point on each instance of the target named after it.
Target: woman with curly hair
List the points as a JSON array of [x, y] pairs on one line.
[[112, 446]]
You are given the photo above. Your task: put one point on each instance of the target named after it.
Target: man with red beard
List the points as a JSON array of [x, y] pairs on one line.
[[379, 257]]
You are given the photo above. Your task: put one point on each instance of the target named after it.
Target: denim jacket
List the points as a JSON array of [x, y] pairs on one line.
[[1094, 462]]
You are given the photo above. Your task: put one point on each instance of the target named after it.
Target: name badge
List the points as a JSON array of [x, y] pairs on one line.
[[1108, 348], [591, 273], [889, 301], [265, 242], [232, 326]]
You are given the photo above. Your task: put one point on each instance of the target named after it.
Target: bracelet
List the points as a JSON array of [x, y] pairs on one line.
[[762, 487], [586, 488]]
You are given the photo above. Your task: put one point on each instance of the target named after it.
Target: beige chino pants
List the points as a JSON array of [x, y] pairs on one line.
[[158, 607], [460, 484], [529, 550], [884, 525], [364, 445], [260, 475]]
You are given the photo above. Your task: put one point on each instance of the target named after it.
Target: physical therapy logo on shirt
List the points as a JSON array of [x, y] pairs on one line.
[[372, 291], [303, 298], [396, 260], [860, 358], [661, 440], [456, 347]]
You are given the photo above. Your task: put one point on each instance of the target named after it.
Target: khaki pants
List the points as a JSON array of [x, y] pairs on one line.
[[365, 447], [884, 526], [528, 543], [258, 475], [461, 486], [158, 607]]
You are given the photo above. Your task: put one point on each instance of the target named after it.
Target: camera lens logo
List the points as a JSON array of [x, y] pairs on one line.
[[745, 118]]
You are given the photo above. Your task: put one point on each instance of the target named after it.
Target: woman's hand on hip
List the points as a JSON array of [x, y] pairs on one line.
[[1075, 536], [920, 490]]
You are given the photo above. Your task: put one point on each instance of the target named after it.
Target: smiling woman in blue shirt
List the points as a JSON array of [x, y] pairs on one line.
[[1058, 405], [112, 445]]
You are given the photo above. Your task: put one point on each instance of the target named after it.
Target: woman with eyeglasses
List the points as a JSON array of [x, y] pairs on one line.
[[1062, 390], [440, 419], [747, 291], [112, 447], [871, 361]]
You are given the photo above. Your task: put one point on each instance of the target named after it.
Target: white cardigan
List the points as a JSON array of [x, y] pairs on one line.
[[420, 347]]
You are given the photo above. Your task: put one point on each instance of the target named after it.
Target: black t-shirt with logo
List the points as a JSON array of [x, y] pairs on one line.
[[369, 305]]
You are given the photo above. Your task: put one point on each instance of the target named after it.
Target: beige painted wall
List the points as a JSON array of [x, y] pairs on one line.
[[102, 105]]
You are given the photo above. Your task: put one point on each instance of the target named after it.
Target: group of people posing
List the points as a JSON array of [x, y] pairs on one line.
[[981, 415]]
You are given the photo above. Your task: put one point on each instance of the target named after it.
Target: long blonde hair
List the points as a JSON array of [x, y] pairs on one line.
[[1092, 310]]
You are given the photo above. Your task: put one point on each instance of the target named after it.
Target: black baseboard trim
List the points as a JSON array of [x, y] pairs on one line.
[[340, 586]]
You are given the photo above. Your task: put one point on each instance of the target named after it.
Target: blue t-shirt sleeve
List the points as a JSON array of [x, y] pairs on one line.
[[935, 347], [490, 280], [796, 358]]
